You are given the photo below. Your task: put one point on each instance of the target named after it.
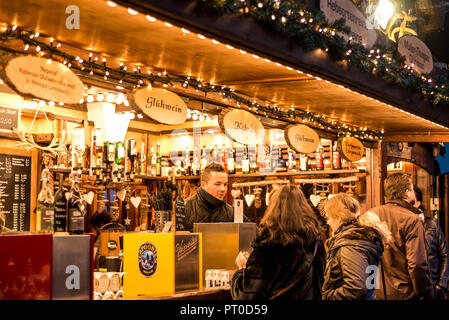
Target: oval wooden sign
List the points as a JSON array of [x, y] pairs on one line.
[[301, 138], [44, 79], [362, 30], [241, 126], [161, 105], [350, 148], [417, 53]]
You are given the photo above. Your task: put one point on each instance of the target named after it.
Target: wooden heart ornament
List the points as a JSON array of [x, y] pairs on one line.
[[235, 193], [315, 199], [89, 197], [121, 194], [249, 198], [135, 201]]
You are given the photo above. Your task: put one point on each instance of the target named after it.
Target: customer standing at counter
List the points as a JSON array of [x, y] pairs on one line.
[[288, 257], [437, 251], [406, 269], [208, 204], [355, 247]]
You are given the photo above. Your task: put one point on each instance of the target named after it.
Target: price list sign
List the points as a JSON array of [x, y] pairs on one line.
[[15, 191]]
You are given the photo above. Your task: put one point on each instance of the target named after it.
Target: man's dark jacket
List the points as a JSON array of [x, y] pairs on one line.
[[437, 252], [351, 252], [273, 266], [204, 207], [406, 269]]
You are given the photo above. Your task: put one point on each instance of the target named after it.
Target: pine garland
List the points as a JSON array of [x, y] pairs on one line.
[[311, 31]]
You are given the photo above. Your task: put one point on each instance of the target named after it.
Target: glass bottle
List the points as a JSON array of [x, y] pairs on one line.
[[303, 162], [319, 164], [336, 159], [203, 161], [291, 160], [143, 167], [195, 163], [245, 160], [132, 155], [60, 207], [153, 161], [45, 211], [75, 210], [158, 160], [231, 161]]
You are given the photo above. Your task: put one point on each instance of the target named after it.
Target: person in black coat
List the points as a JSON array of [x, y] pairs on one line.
[[354, 250], [437, 251], [288, 257], [208, 204]]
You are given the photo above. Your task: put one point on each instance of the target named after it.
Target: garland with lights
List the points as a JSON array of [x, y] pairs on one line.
[[311, 31], [138, 78]]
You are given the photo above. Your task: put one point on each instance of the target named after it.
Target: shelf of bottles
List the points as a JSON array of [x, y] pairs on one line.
[[245, 161]]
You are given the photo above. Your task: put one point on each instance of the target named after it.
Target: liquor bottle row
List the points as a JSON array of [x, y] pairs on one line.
[[251, 160], [63, 212]]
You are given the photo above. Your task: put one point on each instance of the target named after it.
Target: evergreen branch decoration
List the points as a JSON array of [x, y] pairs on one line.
[[311, 31]]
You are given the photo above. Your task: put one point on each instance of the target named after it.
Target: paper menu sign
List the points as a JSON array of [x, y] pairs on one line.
[[238, 210]]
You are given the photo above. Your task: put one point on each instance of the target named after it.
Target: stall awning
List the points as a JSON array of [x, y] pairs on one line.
[[233, 51]]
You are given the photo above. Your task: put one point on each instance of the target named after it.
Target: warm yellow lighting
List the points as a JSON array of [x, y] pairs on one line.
[[111, 3], [132, 12], [150, 18], [201, 36], [383, 13]]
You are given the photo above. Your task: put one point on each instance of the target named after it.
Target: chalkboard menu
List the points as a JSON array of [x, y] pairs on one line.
[[15, 191], [179, 213]]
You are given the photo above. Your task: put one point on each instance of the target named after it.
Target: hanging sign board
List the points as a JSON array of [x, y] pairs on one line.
[[161, 105], [350, 148], [43, 79], [9, 118], [241, 126], [416, 54], [301, 138], [362, 30]]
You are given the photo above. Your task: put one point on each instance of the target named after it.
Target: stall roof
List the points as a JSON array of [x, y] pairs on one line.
[[235, 52]]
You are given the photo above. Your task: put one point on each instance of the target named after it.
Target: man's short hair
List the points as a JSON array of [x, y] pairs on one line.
[[418, 193], [213, 166], [396, 185]]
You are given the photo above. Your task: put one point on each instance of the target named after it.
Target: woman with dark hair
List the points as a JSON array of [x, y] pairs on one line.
[[288, 257], [354, 250]]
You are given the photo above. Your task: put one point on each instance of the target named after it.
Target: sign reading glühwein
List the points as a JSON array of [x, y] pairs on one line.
[[44, 79], [161, 105], [301, 138]]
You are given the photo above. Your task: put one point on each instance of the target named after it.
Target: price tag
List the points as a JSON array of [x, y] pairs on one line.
[[238, 210]]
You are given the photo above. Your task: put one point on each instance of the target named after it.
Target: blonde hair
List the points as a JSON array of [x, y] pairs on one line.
[[289, 215], [343, 207]]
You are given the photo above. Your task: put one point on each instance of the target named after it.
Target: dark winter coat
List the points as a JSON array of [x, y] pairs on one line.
[[406, 269], [352, 260], [273, 266], [437, 252], [204, 207]]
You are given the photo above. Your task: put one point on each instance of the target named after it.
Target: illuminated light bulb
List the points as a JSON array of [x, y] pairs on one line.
[[90, 98], [201, 117], [150, 18], [283, 19], [38, 49], [33, 104], [81, 101], [195, 116], [100, 97], [132, 12], [243, 51], [185, 31], [111, 4], [132, 115], [215, 41], [140, 116], [168, 24], [207, 118], [260, 4], [201, 36], [42, 103], [51, 104], [61, 103], [26, 47], [229, 47], [109, 97]]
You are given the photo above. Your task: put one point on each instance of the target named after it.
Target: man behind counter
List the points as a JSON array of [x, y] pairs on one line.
[[208, 204]]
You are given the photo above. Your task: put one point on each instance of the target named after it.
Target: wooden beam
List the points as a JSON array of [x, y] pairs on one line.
[[417, 137]]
